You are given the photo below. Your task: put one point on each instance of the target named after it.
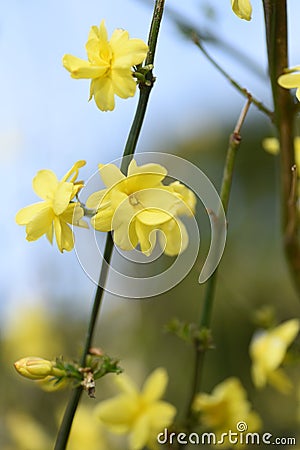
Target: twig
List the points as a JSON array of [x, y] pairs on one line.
[[200, 351], [233, 82]]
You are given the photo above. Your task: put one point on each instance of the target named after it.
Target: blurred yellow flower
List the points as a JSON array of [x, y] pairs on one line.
[[225, 407], [56, 211], [271, 145], [137, 206], [32, 331], [141, 414], [36, 368], [109, 65], [267, 350], [242, 8], [86, 431], [26, 433], [290, 80]]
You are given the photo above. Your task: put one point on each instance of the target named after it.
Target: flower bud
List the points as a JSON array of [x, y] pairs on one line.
[[34, 368]]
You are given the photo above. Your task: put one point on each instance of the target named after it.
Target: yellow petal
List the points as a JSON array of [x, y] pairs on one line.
[[289, 80], [161, 415], [280, 381], [97, 46], [74, 171], [271, 145], [126, 384], [123, 83], [40, 224], [62, 197], [188, 204], [259, 376], [28, 213], [140, 433], [64, 235], [287, 331], [45, 183], [242, 8], [127, 52], [155, 385], [104, 94], [49, 233], [73, 215], [118, 413], [110, 174], [104, 46], [125, 236], [297, 151], [151, 168], [153, 217], [95, 199], [102, 221], [146, 236], [176, 237], [79, 68], [145, 176], [158, 199]]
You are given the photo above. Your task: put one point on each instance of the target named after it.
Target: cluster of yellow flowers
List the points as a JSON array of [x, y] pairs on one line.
[[135, 208]]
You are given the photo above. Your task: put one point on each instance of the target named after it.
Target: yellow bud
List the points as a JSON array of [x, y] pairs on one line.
[[34, 368]]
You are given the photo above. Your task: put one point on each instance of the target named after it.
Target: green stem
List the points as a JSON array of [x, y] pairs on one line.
[[233, 82], [277, 45], [136, 126], [145, 89], [200, 351]]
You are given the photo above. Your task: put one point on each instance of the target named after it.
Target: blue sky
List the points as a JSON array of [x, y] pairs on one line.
[[47, 122]]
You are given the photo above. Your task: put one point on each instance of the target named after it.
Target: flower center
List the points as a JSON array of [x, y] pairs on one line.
[[133, 200]]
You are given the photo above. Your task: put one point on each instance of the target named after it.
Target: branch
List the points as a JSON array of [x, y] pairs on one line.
[[277, 44]]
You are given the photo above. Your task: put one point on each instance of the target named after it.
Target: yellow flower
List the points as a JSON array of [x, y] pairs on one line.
[[25, 433], [271, 145], [36, 368], [242, 8], [267, 351], [138, 205], [141, 414], [86, 430], [57, 210], [109, 65], [225, 407], [291, 80]]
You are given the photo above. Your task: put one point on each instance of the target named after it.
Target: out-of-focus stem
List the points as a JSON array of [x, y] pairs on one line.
[[284, 110], [200, 351]]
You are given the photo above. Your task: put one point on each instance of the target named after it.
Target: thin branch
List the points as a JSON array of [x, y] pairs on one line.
[[200, 351], [233, 82]]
